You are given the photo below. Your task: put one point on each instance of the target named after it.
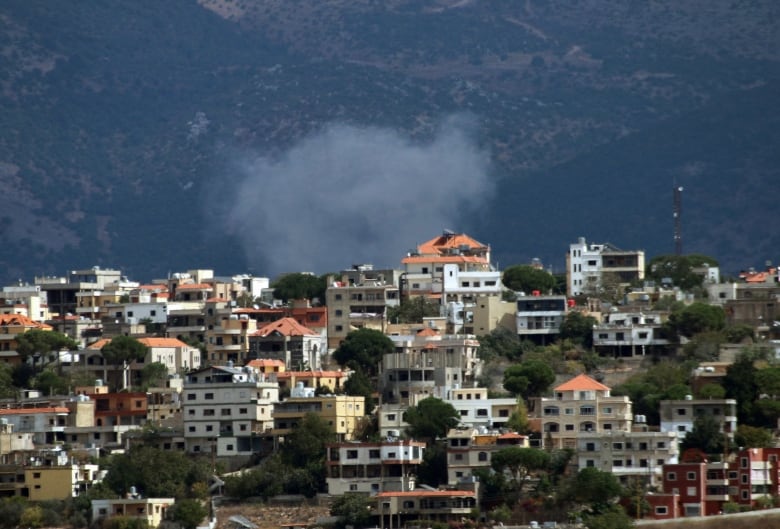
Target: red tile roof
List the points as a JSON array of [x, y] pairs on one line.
[[265, 362], [19, 319], [195, 286], [285, 327], [439, 244], [443, 259], [427, 331], [582, 383], [148, 342]]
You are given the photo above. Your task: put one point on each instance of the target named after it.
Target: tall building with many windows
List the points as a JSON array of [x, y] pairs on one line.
[[592, 267]]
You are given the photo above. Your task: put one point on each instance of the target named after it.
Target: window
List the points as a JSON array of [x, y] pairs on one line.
[[661, 444], [391, 416], [339, 328], [352, 454], [373, 453], [661, 511], [590, 447], [191, 428], [408, 504], [243, 411], [744, 478], [691, 491], [207, 413], [209, 428], [482, 456], [224, 411], [569, 428], [590, 463], [617, 446], [229, 448], [339, 312], [691, 476], [733, 474], [36, 475], [190, 396], [353, 487], [743, 462], [617, 462], [482, 412], [671, 476], [208, 396], [681, 411]]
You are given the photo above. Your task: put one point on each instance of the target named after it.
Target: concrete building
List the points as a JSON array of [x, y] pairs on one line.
[[539, 318], [150, 510], [427, 364], [491, 313], [477, 410], [371, 468], [469, 449], [589, 265], [299, 347], [356, 303], [11, 326], [679, 416], [341, 412], [226, 410], [581, 404], [630, 333], [397, 509], [629, 456]]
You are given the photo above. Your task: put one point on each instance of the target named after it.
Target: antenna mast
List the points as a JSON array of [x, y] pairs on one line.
[[677, 221]]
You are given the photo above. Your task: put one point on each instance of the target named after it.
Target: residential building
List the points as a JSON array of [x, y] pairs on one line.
[[334, 380], [226, 410], [11, 441], [589, 267], [150, 510], [539, 318], [62, 293], [47, 475], [299, 347], [427, 364], [26, 300], [341, 412], [679, 416], [228, 340], [11, 326], [629, 456], [581, 404], [477, 410], [371, 468], [454, 269], [396, 509], [164, 404], [46, 423], [470, 449], [492, 312], [357, 303], [630, 333]]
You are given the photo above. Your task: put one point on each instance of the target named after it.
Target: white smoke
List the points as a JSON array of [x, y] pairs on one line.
[[349, 195]]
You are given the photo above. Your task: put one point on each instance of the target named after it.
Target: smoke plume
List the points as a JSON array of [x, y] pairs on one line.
[[349, 195]]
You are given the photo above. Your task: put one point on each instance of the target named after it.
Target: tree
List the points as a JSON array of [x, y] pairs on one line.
[[300, 286], [753, 437], [363, 350], [433, 469], [578, 328], [526, 278], [501, 342], [123, 350], [153, 374], [37, 343], [678, 268], [188, 513], [528, 379], [305, 449], [352, 510], [518, 420], [50, 383], [615, 517], [155, 472], [705, 436], [695, 318], [519, 463], [430, 419], [358, 384], [596, 489], [740, 384], [7, 389]]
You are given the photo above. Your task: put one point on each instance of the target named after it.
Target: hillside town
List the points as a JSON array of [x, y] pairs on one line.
[[441, 393]]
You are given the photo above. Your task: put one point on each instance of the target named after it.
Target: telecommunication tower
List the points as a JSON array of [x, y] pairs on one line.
[[677, 220]]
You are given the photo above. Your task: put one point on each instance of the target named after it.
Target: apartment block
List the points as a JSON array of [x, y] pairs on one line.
[[371, 468], [341, 412], [579, 405], [226, 410], [469, 449], [630, 333], [539, 318], [679, 416], [589, 266]]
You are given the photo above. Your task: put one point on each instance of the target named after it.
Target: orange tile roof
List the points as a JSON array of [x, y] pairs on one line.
[[195, 286], [157, 288], [426, 493], [438, 244], [427, 332], [511, 435], [265, 362], [148, 342], [285, 327], [162, 342], [28, 411], [582, 383], [443, 259], [19, 319]]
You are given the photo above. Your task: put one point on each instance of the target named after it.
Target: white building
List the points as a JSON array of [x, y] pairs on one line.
[[679, 416], [371, 468], [588, 264], [477, 410], [630, 333], [539, 318], [226, 408]]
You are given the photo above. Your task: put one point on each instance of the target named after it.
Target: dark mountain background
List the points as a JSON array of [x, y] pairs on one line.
[[130, 132]]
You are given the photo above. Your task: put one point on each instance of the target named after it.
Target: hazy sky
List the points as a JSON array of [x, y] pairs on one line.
[[349, 195]]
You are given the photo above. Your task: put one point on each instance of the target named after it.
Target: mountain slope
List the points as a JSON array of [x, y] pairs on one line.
[[132, 132]]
